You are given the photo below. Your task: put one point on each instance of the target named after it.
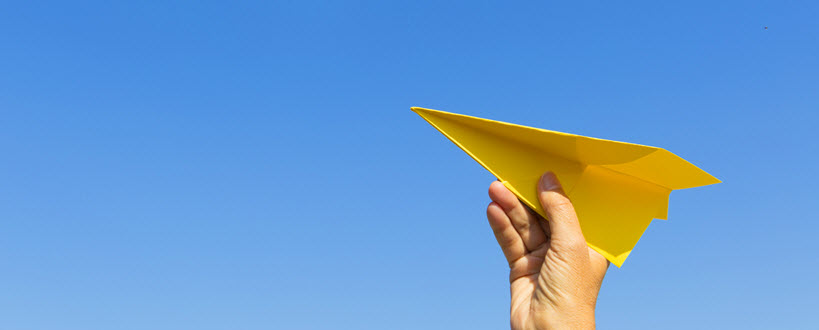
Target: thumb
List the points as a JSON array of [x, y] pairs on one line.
[[563, 224]]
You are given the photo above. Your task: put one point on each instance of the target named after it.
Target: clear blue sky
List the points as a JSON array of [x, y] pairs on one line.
[[255, 165]]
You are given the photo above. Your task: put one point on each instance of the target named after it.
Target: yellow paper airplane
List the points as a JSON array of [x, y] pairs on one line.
[[617, 188]]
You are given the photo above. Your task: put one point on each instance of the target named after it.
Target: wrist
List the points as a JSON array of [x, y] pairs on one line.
[[567, 318]]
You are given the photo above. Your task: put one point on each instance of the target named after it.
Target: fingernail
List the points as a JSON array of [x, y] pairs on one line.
[[549, 181]]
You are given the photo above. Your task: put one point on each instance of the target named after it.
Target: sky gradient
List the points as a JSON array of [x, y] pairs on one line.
[[255, 165]]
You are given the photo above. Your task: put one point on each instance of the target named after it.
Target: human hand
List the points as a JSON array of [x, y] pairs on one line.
[[554, 276]]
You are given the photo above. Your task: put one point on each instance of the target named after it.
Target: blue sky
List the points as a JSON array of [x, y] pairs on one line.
[[255, 165]]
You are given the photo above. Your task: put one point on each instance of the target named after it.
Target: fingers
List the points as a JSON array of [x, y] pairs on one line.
[[524, 221], [562, 219], [506, 235]]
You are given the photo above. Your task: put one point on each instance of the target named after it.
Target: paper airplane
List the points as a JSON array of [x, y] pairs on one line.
[[617, 188]]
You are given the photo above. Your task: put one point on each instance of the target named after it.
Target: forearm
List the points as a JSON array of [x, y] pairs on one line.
[[578, 319]]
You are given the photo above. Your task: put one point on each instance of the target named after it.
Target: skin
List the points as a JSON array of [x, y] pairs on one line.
[[554, 276]]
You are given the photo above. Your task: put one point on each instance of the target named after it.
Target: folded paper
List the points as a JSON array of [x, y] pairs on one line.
[[617, 188]]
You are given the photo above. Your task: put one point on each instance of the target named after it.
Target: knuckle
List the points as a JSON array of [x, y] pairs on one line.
[[572, 245], [521, 225], [577, 244], [557, 200], [558, 204], [506, 240]]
